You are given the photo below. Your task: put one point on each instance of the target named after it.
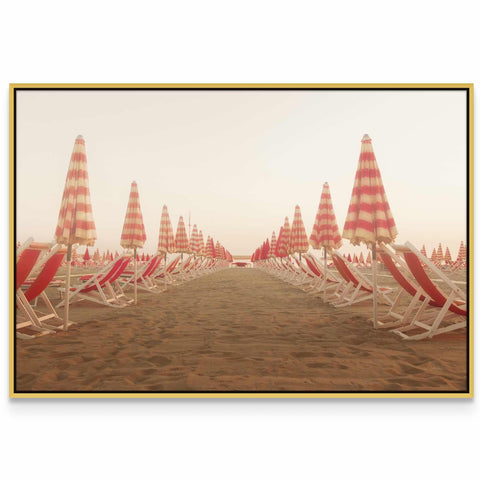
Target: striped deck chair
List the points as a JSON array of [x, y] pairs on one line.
[[357, 287], [103, 287], [34, 318], [450, 306], [27, 257], [145, 276], [165, 275], [321, 276]]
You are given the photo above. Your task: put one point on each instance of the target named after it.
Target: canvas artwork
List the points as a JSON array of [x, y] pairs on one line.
[[241, 240]]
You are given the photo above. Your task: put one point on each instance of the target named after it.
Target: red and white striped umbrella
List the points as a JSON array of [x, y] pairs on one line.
[[218, 250], [298, 235], [448, 256], [194, 243], [201, 243], [284, 242], [462, 253], [423, 251], [433, 258], [181, 238], [75, 219], [133, 233], [439, 253], [166, 241], [369, 218], [279, 242], [86, 255], [361, 259], [273, 245], [325, 231], [209, 248]]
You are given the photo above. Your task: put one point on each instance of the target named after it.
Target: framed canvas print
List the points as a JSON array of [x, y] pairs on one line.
[[304, 240]]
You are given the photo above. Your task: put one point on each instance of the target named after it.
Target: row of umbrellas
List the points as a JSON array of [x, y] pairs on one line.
[[76, 225], [369, 218]]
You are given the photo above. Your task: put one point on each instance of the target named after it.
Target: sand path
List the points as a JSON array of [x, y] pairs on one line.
[[235, 330]]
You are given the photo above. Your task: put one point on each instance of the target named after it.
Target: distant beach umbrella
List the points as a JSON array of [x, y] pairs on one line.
[[433, 257], [273, 245], [266, 249], [279, 242], [355, 259], [75, 220], [349, 258], [218, 250], [86, 255], [133, 232], [325, 231], [284, 243], [423, 251], [462, 253], [209, 248], [194, 243], [298, 235], [181, 238], [369, 218], [439, 253], [201, 244], [448, 257], [166, 240]]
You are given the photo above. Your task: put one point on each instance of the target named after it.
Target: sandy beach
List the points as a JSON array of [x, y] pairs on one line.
[[235, 330]]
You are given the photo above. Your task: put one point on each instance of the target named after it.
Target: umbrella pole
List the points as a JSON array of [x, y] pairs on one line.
[[374, 268], [324, 274], [67, 288], [135, 269], [165, 272]]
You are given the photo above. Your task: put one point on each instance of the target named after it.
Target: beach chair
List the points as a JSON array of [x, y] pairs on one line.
[[357, 287], [145, 276], [103, 287], [165, 275], [27, 257], [320, 277], [451, 305], [34, 318]]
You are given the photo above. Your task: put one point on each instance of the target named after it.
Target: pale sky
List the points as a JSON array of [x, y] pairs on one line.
[[239, 161]]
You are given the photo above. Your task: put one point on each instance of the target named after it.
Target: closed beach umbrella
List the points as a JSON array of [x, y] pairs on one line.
[[462, 253], [181, 239], [194, 243], [298, 235], [166, 240], [325, 231], [201, 244], [284, 243], [75, 219], [279, 242], [439, 253], [86, 256], [369, 219], [133, 232], [448, 256], [209, 248], [218, 250], [433, 257], [273, 245], [423, 251]]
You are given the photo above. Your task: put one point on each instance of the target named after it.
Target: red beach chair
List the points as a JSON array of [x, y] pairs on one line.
[[357, 287], [36, 320], [99, 288], [449, 305], [145, 276]]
